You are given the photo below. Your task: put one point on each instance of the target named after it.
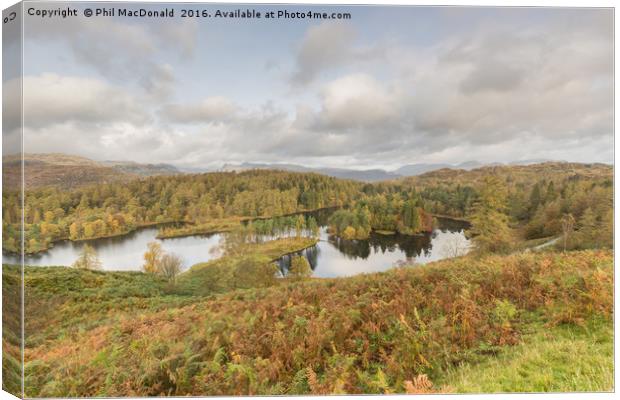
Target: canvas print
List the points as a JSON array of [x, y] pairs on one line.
[[205, 199]]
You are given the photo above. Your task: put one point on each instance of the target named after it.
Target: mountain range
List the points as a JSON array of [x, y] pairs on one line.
[[370, 175], [69, 171]]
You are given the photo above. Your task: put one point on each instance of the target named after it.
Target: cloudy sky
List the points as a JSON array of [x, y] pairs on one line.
[[391, 86]]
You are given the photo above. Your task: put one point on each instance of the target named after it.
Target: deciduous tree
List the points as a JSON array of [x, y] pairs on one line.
[[152, 258], [170, 266], [88, 259], [300, 268], [490, 231]]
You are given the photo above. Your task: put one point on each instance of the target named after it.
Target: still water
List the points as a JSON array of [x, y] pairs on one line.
[[331, 257]]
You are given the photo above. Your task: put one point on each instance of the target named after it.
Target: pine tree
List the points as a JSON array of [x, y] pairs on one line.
[[410, 217], [313, 227], [535, 199], [551, 194], [300, 224]]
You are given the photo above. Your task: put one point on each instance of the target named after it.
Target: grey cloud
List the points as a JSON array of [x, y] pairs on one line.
[[323, 45], [357, 101], [550, 82], [51, 99], [178, 35], [495, 94], [492, 76], [212, 109], [160, 83], [481, 91], [328, 45], [119, 51]]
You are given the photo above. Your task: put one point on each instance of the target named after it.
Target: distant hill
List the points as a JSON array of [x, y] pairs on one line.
[[68, 172], [143, 169], [368, 175], [418, 169], [527, 174]]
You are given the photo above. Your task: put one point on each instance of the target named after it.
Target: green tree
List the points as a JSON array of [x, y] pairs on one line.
[[300, 268], [490, 231], [587, 236], [607, 229], [535, 199], [313, 226], [300, 224], [410, 218], [88, 259], [253, 271], [551, 193]]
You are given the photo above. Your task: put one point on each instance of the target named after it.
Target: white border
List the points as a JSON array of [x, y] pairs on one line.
[[490, 3]]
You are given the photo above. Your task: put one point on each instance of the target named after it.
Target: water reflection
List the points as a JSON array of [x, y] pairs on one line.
[[125, 253], [331, 257]]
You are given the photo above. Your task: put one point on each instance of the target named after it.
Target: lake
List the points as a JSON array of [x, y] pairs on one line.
[[331, 257]]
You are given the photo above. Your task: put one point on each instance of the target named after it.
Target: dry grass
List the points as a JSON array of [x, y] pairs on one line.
[[389, 332]]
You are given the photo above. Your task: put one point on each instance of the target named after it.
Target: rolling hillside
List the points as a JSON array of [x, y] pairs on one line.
[[415, 330], [69, 172], [512, 174]]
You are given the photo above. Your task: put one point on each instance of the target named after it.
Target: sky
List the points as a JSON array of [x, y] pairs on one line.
[[389, 87]]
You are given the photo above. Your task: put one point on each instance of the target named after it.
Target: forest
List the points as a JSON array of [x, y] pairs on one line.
[[53, 214], [386, 214], [538, 201], [237, 325]]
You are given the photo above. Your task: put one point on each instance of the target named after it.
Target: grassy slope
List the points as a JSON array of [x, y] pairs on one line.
[[11, 331], [562, 358], [373, 333]]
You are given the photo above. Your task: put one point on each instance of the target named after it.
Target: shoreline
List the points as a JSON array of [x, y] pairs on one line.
[[239, 220], [67, 239]]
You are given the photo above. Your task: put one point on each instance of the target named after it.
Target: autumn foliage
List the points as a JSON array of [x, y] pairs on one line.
[[391, 332]]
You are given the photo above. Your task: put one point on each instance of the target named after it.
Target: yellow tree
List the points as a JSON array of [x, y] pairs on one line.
[[152, 258], [49, 217], [88, 259], [74, 230], [349, 233]]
